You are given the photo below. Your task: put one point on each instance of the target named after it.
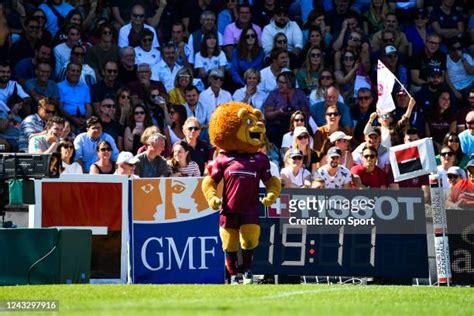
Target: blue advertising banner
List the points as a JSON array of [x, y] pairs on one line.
[[174, 236]]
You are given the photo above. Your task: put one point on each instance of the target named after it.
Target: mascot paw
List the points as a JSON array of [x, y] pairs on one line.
[[215, 202], [269, 199]]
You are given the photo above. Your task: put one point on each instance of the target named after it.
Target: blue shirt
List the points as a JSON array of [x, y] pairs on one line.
[[52, 24], [86, 149], [239, 66], [318, 113], [467, 142], [50, 91], [74, 97]]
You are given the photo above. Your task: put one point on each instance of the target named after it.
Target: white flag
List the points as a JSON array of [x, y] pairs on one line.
[[413, 159], [385, 82]]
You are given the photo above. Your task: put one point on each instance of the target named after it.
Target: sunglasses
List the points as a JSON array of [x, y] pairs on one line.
[[184, 76], [281, 41], [147, 40], [364, 98], [48, 111], [109, 105], [111, 71], [125, 97], [447, 154], [105, 149], [297, 158], [326, 77], [299, 120], [355, 39], [79, 54], [154, 96], [385, 116], [349, 58], [249, 36], [139, 113], [138, 16], [452, 140], [217, 78], [304, 136], [315, 55], [107, 33], [452, 176], [335, 114], [194, 128], [371, 156], [68, 147]]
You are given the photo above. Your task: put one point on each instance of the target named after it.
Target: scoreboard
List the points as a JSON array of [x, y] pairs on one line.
[[329, 233]]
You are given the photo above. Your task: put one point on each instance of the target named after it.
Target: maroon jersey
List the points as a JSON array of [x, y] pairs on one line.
[[374, 179], [242, 174]]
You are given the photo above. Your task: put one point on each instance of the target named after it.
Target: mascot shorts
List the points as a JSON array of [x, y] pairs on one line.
[[235, 220]]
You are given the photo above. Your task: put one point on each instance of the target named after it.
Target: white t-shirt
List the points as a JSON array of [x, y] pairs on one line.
[[152, 58], [210, 63], [74, 168], [268, 80], [8, 91], [297, 180], [457, 74], [341, 178], [256, 100]]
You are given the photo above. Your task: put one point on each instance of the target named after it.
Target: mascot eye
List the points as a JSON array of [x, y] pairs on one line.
[[249, 122], [177, 188]]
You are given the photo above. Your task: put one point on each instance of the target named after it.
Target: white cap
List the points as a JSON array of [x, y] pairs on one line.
[[127, 157], [337, 135]]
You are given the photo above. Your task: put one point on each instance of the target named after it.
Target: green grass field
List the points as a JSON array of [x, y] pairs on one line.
[[261, 300]]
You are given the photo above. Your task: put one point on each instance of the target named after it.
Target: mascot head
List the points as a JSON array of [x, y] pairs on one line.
[[236, 126]]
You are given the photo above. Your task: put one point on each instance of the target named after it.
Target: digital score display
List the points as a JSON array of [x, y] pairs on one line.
[[381, 249]]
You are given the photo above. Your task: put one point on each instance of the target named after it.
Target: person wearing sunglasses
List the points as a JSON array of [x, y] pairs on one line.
[[104, 165], [294, 174], [373, 138], [335, 175], [400, 40], [308, 75], [213, 96], [88, 76], [454, 175], [466, 137], [448, 158], [67, 151], [108, 86], [460, 69], [107, 114], [321, 137], [462, 193], [210, 57], [62, 52], [146, 53], [452, 141], [368, 174], [139, 120], [360, 113], [302, 142], [129, 34], [298, 118], [199, 149], [23, 47]]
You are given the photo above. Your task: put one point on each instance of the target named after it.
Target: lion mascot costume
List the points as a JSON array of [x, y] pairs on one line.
[[238, 131]]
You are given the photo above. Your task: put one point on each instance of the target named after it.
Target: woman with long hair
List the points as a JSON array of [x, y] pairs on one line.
[[139, 119], [452, 141], [325, 80], [104, 165], [301, 141], [346, 74], [156, 102], [247, 54], [210, 57], [178, 116], [440, 118], [67, 151], [308, 75], [298, 118], [321, 138], [354, 43], [184, 78], [375, 16], [74, 17], [124, 105], [44, 35], [294, 174], [181, 163]]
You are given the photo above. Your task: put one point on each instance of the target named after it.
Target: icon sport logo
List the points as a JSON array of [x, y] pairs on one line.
[[168, 200]]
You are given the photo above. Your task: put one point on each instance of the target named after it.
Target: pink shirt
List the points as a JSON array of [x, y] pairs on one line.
[[232, 34]]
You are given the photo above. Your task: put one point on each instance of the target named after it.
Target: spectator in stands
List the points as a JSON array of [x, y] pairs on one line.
[[104, 165], [181, 163], [67, 151], [74, 18], [145, 53], [280, 41], [214, 96], [209, 57], [44, 34], [41, 86], [25, 45], [9, 87], [441, 118], [137, 123], [463, 191], [146, 134], [279, 63], [334, 174], [281, 23], [129, 34], [294, 174], [25, 68], [36, 123], [168, 68], [336, 17], [104, 51], [321, 137], [430, 57], [360, 113], [448, 158], [417, 116], [264, 11], [297, 118], [447, 20], [350, 28], [150, 163], [156, 103], [417, 32], [208, 25], [145, 83], [318, 110], [280, 104], [10, 123], [125, 164], [107, 86], [174, 131], [308, 75], [301, 141], [392, 59], [325, 81], [425, 97], [227, 15], [367, 174], [346, 74], [400, 41], [48, 142], [233, 31], [374, 17], [194, 108], [87, 73], [315, 39], [460, 69], [107, 113], [341, 141], [62, 52], [247, 54], [199, 150], [316, 21], [455, 174], [127, 68], [123, 101], [467, 136], [451, 140], [249, 93], [373, 138], [86, 143], [178, 34], [461, 115], [75, 97], [183, 79], [55, 10]]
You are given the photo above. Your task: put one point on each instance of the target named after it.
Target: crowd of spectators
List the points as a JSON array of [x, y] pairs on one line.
[[130, 86]]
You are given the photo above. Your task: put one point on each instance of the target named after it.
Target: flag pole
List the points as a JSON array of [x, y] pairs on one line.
[[396, 79]]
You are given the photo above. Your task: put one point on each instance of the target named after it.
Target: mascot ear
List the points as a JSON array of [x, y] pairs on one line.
[[258, 114], [242, 113]]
